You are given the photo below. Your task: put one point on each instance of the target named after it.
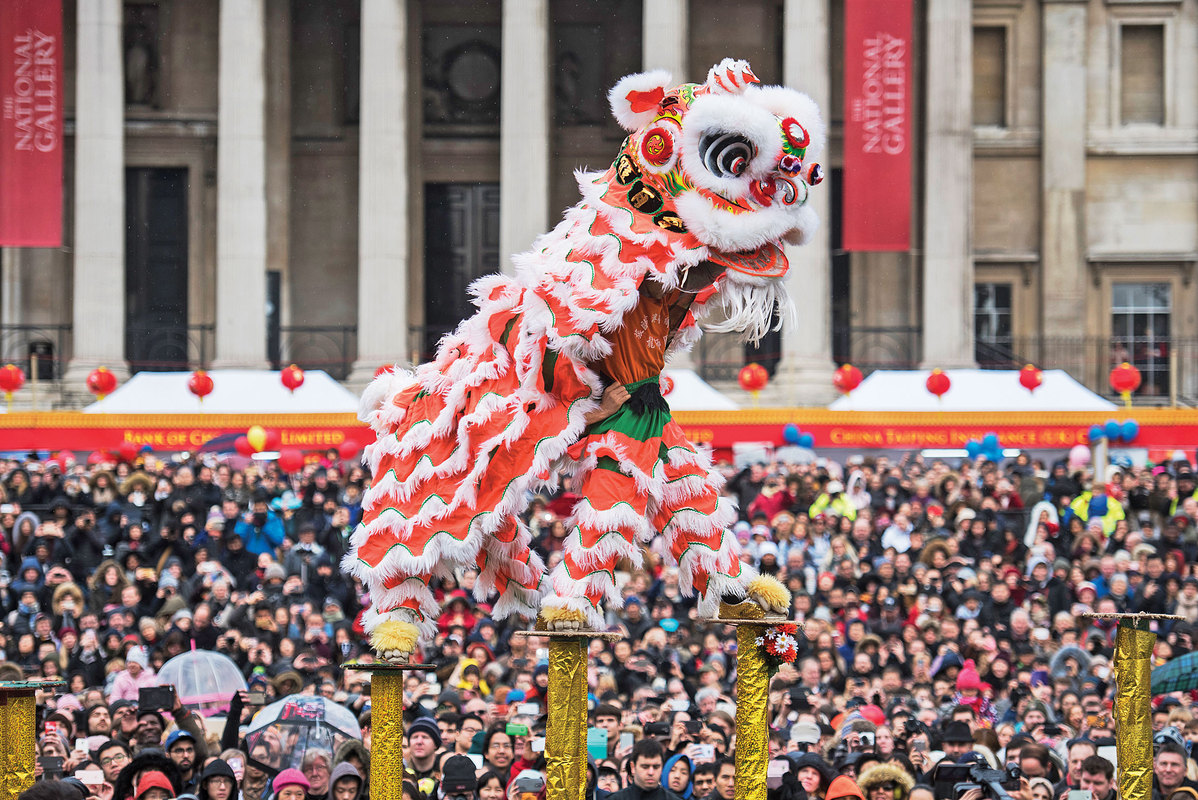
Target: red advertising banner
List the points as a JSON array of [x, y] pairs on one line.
[[877, 125], [30, 123]]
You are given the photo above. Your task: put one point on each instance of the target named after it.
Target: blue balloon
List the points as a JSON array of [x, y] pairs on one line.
[[973, 448], [990, 442], [1097, 433], [994, 454], [1113, 429], [1131, 429], [791, 433], [806, 440]]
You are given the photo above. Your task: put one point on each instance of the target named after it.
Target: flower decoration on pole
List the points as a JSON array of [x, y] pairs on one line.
[[1030, 377], [1125, 379], [779, 646], [292, 377], [12, 378], [101, 382], [753, 378], [846, 379], [938, 383], [200, 384]]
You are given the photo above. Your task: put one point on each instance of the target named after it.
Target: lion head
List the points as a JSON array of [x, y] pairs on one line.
[[730, 161]]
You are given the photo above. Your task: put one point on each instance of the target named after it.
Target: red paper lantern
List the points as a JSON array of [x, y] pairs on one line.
[[667, 385], [291, 461], [1125, 378], [101, 382], [1030, 377], [242, 445], [847, 378], [12, 378], [753, 377], [292, 377], [128, 451], [200, 384], [938, 382], [348, 449]]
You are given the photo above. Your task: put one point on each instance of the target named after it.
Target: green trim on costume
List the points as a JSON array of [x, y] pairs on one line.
[[639, 427]]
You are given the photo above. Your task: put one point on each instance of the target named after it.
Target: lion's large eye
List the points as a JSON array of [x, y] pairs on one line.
[[726, 154]]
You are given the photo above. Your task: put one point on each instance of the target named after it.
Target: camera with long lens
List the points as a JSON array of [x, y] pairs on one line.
[[954, 780]]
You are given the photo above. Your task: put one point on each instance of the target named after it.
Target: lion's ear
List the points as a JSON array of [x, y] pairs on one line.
[[634, 99]]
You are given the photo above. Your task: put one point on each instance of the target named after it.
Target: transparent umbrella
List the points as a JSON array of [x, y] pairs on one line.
[[281, 733], [205, 681]]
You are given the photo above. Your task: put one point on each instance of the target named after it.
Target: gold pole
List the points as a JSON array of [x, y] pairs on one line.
[[21, 740], [6, 763], [752, 714], [1133, 708], [386, 734], [566, 731]]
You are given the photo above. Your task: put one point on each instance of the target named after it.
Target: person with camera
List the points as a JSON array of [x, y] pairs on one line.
[[1097, 776]]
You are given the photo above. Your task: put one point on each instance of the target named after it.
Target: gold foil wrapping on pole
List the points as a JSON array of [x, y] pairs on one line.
[[1133, 709], [21, 741], [752, 714], [386, 735], [566, 732], [6, 764]]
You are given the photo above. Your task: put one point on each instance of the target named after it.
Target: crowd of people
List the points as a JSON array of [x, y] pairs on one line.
[[941, 607]]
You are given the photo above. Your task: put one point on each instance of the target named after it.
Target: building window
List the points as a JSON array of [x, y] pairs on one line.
[[1140, 332], [993, 344], [461, 80], [990, 76], [1142, 74]]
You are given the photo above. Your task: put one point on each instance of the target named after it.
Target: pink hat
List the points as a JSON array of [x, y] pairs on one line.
[[290, 777], [968, 677]]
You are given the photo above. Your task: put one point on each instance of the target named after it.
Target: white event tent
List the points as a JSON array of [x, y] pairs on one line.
[[970, 390]]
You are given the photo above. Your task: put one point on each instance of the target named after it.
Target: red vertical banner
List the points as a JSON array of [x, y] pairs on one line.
[[30, 123], [877, 125]]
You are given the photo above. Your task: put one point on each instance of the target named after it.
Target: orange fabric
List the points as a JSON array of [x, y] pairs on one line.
[[638, 347], [844, 786]]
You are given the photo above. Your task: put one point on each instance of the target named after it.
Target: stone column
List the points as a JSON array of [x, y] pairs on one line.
[[664, 41], [382, 190], [1063, 170], [948, 187], [524, 153], [241, 187], [99, 273], [804, 376], [665, 38]]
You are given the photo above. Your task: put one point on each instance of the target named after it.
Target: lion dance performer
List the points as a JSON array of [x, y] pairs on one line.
[[558, 372]]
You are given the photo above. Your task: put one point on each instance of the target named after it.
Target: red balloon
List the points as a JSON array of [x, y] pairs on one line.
[[348, 449], [273, 440], [938, 382], [64, 459], [667, 385], [12, 378], [1030, 377], [753, 377], [128, 451], [200, 384], [101, 382], [291, 461], [292, 377], [1125, 378], [96, 457], [242, 445], [847, 378]]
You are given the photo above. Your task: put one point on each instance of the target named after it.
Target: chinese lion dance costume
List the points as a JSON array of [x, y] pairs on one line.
[[558, 372]]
